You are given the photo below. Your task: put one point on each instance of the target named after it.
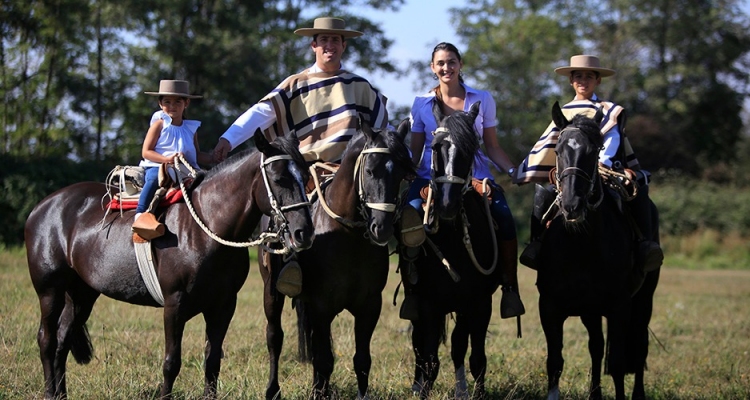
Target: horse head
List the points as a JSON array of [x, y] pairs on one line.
[[453, 149], [384, 162], [577, 165], [284, 174]]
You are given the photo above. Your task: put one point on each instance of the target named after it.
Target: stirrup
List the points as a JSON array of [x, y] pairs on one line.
[[510, 303], [147, 227], [651, 254], [530, 254], [412, 230], [409, 308], [289, 282]]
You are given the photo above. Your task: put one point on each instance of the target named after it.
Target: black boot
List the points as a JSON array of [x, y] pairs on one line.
[[649, 255], [410, 307], [543, 199]]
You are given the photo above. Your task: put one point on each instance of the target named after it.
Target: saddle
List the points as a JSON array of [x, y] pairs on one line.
[[476, 185], [125, 183]]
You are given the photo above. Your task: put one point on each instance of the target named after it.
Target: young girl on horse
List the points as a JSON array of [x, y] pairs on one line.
[[169, 136]]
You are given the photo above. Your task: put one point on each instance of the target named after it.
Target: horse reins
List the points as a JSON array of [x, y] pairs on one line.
[[443, 134], [276, 211]]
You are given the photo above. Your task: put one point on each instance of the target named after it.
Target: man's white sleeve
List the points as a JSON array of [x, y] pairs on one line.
[[260, 116], [611, 144]]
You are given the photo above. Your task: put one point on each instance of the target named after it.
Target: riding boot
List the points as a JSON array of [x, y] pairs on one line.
[[649, 255], [409, 308], [510, 303], [543, 199]]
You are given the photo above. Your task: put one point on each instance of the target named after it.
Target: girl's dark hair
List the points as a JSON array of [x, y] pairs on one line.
[[445, 46]]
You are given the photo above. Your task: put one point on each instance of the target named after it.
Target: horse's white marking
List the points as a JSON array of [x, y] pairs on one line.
[[573, 144]]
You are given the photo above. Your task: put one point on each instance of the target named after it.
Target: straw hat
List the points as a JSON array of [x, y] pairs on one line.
[[328, 25], [174, 88], [584, 63]]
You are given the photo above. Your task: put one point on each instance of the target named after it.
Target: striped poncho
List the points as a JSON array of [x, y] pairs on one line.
[[323, 109], [541, 159]]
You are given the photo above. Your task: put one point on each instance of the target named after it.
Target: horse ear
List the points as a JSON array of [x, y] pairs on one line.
[[558, 117], [260, 141], [403, 129], [598, 116], [437, 112], [474, 110], [364, 125]]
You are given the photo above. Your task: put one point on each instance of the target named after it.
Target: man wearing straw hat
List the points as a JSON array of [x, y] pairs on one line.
[[321, 105], [585, 74]]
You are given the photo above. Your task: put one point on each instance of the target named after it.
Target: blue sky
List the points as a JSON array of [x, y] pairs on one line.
[[416, 28]]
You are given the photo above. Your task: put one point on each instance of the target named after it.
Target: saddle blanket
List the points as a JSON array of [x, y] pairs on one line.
[[173, 196]]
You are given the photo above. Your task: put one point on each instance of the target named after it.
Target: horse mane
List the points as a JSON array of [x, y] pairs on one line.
[[460, 127], [590, 129], [396, 147], [283, 144]]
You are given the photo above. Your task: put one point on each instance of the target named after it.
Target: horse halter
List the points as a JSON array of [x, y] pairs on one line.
[[591, 178], [276, 211], [443, 134], [386, 207]]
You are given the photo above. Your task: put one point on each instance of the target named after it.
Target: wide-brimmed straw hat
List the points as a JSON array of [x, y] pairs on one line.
[[585, 63], [174, 88], [328, 25]]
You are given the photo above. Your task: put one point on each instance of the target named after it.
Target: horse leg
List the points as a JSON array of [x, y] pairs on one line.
[[552, 324], [322, 355], [617, 323], [273, 306], [417, 343], [430, 328], [217, 323], [459, 348], [365, 320], [51, 302], [593, 324], [174, 327], [479, 321]]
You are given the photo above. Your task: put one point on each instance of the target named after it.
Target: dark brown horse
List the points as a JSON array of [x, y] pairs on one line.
[[586, 265], [467, 288], [347, 266], [74, 256]]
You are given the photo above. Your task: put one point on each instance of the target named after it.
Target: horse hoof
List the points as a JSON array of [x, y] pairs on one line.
[[289, 282]]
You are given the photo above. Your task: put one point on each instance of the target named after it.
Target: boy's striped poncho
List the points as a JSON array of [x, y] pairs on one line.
[[541, 159], [323, 110]]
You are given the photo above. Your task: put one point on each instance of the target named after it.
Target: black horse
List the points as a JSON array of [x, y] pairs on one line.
[[347, 266], [465, 239], [74, 256], [586, 265]]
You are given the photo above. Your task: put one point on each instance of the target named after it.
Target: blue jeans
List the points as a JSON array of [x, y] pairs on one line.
[[498, 208], [150, 185]]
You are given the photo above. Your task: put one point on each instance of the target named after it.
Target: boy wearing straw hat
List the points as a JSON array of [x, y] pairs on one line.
[[585, 74]]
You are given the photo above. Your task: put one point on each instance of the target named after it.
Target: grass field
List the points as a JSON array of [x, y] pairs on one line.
[[700, 346]]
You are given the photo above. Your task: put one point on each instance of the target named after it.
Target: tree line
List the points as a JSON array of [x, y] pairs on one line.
[[72, 74]]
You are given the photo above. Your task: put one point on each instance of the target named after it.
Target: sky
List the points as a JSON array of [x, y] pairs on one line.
[[415, 30]]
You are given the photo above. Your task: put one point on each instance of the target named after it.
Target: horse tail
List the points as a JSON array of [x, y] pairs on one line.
[[80, 344], [304, 332]]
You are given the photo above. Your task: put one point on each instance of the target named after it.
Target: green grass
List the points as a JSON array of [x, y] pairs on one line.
[[700, 346]]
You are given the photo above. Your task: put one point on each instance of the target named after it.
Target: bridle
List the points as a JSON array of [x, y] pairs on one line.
[[442, 134], [593, 178], [277, 212]]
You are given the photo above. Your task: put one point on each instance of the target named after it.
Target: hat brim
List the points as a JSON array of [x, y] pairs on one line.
[[189, 96], [603, 72], [347, 33]]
